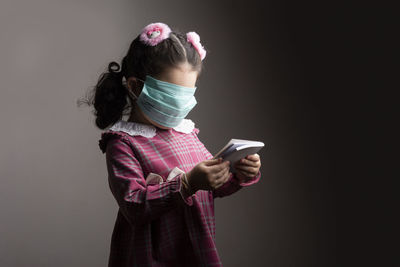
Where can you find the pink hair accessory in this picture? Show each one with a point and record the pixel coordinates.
(194, 38)
(154, 33)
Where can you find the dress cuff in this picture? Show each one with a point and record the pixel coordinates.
(183, 186)
(185, 191)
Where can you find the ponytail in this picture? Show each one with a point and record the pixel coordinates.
(110, 97)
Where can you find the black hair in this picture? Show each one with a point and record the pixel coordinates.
(110, 97)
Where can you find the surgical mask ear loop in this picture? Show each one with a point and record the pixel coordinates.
(132, 94)
(135, 97)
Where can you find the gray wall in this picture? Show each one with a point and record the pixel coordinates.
(260, 82)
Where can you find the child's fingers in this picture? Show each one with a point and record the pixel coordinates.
(247, 169)
(222, 171)
(247, 162)
(218, 167)
(253, 157)
(219, 182)
(246, 173)
(210, 162)
(221, 177)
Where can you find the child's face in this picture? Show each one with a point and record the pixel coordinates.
(184, 76)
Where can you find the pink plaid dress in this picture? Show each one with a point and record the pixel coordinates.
(158, 223)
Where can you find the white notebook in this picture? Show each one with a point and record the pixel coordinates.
(237, 149)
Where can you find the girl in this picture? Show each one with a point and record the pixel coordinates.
(160, 173)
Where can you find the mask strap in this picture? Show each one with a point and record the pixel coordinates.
(140, 80)
(131, 93)
(127, 88)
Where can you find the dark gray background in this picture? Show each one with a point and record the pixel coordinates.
(268, 76)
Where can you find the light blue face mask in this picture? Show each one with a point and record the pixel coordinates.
(166, 103)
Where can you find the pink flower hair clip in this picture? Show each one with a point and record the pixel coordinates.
(154, 33)
(194, 38)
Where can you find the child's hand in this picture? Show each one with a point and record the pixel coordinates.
(208, 175)
(247, 167)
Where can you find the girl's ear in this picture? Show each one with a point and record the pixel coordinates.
(134, 87)
(132, 83)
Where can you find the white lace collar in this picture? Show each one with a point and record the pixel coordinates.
(146, 130)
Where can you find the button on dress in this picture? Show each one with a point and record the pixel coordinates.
(158, 223)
